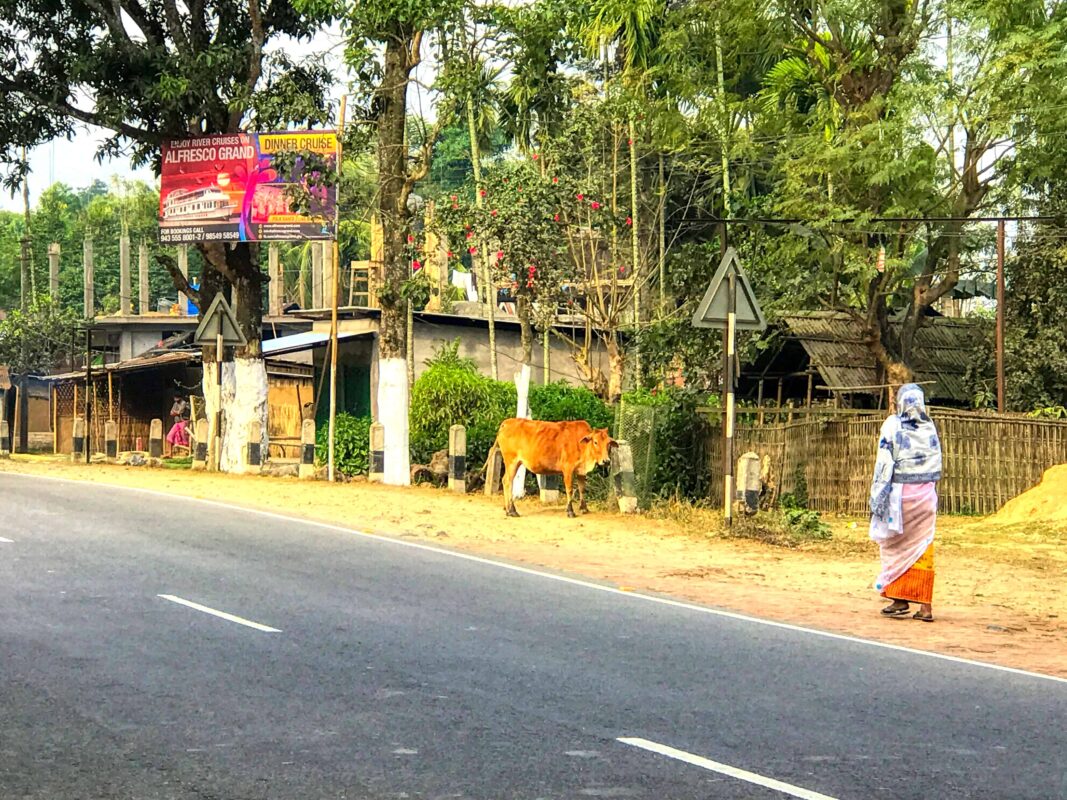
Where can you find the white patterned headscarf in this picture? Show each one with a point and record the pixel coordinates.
(909, 449)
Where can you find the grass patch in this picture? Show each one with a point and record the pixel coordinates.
(186, 462)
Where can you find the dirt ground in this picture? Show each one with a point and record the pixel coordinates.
(999, 594)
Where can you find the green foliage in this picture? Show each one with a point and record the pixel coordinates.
(806, 524)
(449, 393)
(560, 401)
(1049, 412)
(36, 341)
(447, 355)
(351, 444)
(680, 437)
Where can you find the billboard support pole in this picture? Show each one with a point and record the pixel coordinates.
(334, 292)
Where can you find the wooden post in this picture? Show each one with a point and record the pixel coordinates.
(88, 303)
(457, 459)
(274, 288)
(376, 473)
(307, 449)
(183, 268)
(759, 400)
(811, 386)
(142, 279)
(494, 472)
(53, 270)
(125, 300)
(1001, 401)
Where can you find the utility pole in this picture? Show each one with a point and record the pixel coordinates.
(88, 387)
(1001, 402)
(335, 291)
(23, 410)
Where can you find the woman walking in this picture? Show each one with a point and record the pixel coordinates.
(904, 505)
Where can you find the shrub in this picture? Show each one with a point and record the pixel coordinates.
(451, 393)
(351, 444)
(560, 401)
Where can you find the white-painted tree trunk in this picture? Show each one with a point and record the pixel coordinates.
(393, 414)
(522, 389)
(244, 398)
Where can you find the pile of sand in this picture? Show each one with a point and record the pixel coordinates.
(1046, 502)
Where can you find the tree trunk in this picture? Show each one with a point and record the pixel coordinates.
(393, 189)
(483, 255)
(616, 368)
(244, 378)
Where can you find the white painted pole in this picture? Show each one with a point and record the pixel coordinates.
(728, 384)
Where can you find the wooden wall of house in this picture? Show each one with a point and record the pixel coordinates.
(286, 397)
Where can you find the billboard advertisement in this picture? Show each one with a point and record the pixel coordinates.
(225, 188)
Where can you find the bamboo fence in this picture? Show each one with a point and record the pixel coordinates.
(988, 459)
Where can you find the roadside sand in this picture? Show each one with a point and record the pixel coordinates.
(998, 598)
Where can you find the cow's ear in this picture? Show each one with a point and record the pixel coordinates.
(587, 439)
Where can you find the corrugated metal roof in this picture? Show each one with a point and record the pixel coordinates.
(298, 342)
(835, 343)
(133, 364)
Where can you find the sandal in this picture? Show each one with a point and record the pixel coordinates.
(895, 611)
(922, 617)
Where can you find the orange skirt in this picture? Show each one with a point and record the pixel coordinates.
(917, 584)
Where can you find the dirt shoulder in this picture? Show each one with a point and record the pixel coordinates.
(998, 597)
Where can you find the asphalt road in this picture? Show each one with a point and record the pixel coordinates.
(398, 671)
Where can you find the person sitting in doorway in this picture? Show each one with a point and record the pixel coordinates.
(178, 435)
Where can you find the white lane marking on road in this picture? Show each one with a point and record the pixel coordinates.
(717, 612)
(725, 769)
(6, 541)
(217, 613)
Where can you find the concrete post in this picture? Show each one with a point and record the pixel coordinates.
(549, 486)
(5, 437)
(53, 270)
(255, 445)
(200, 438)
(183, 268)
(622, 478)
(125, 292)
(77, 450)
(316, 275)
(749, 482)
(377, 453)
(494, 472)
(89, 306)
(274, 288)
(307, 449)
(457, 459)
(142, 279)
(111, 440)
(155, 439)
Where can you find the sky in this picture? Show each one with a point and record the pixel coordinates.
(74, 162)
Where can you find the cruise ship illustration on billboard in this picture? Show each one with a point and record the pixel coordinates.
(209, 203)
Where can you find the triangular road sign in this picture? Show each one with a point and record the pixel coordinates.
(219, 316)
(711, 313)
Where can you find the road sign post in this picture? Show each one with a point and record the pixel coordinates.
(218, 327)
(729, 302)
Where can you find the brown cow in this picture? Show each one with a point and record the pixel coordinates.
(551, 448)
